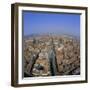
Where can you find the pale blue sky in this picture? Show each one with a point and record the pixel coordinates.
(39, 23)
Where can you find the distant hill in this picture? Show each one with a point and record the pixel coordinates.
(51, 34)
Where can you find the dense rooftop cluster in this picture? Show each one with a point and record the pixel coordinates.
(51, 55)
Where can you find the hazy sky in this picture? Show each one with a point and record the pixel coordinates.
(38, 22)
